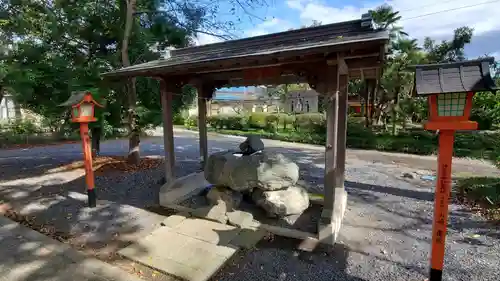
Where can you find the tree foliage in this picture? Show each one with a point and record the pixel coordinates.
(50, 48)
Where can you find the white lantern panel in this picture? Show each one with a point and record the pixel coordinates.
(86, 110)
(451, 104)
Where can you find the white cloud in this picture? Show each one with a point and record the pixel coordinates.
(202, 39)
(439, 24)
(419, 18)
(265, 27)
(269, 26)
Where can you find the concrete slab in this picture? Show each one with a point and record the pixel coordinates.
(277, 230)
(182, 188)
(191, 248)
(173, 221)
(209, 231)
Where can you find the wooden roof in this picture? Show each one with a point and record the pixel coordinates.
(75, 98)
(464, 76)
(357, 39)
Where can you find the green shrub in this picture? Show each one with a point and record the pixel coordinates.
(179, 119)
(23, 127)
(484, 191)
(257, 120)
(272, 122)
(217, 121)
(212, 121)
(357, 129)
(311, 128)
(235, 122)
(285, 121)
(191, 121)
(310, 122)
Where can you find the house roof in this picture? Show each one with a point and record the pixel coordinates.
(464, 76)
(300, 41)
(231, 96)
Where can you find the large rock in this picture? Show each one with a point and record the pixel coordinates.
(251, 145)
(262, 170)
(215, 165)
(213, 212)
(279, 203)
(230, 198)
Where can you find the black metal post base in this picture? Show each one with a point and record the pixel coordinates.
(92, 197)
(436, 275)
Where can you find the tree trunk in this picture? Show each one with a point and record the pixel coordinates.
(366, 105)
(394, 116)
(373, 94)
(134, 138)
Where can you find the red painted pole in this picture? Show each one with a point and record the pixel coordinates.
(87, 160)
(441, 199)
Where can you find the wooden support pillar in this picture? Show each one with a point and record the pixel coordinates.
(168, 130)
(342, 112)
(332, 107)
(205, 91)
(335, 197)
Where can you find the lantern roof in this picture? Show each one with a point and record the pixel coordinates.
(78, 97)
(463, 76)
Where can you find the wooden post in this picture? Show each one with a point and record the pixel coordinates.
(168, 131)
(441, 201)
(335, 197)
(341, 130)
(332, 107)
(328, 87)
(202, 126)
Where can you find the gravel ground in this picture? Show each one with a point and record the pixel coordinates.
(385, 234)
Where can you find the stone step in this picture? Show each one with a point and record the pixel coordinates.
(190, 248)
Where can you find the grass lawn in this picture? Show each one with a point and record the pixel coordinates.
(481, 192)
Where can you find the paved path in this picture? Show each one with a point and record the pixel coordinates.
(26, 255)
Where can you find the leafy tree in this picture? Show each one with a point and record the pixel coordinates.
(449, 50)
(64, 45)
(385, 18)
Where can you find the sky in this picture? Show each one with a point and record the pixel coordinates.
(433, 18)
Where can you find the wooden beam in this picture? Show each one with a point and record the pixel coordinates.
(332, 102)
(343, 82)
(342, 66)
(205, 91)
(273, 74)
(168, 130)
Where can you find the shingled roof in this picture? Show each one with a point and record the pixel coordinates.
(455, 77)
(300, 41)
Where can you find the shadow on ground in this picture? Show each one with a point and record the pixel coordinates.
(62, 209)
(31, 256)
(277, 258)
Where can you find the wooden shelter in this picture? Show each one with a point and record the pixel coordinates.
(325, 56)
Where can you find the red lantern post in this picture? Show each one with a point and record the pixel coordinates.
(82, 111)
(450, 88)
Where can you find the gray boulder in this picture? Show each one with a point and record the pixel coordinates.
(262, 170)
(230, 198)
(280, 203)
(215, 165)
